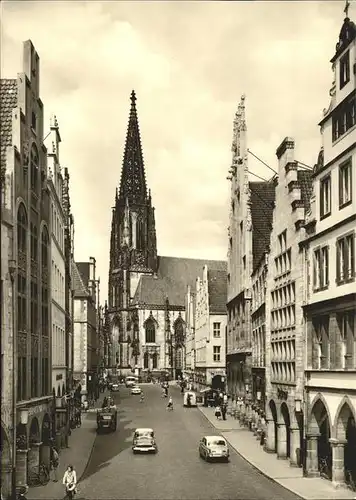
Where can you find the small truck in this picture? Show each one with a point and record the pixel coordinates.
(106, 418)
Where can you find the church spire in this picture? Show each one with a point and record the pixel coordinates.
(133, 180)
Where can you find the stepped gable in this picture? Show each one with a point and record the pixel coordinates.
(217, 286)
(8, 101)
(79, 288)
(174, 274)
(262, 204)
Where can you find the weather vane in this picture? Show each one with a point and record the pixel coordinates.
(346, 9)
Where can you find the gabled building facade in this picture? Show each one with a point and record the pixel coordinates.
(251, 206)
(330, 296)
(26, 277)
(286, 277)
(85, 362)
(146, 307)
(210, 329)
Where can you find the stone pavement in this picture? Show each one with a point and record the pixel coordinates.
(77, 454)
(247, 445)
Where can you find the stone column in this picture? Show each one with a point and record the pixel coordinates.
(338, 460)
(33, 456)
(294, 445)
(282, 441)
(45, 454)
(21, 468)
(312, 468)
(270, 446)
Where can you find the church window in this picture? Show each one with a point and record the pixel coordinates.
(344, 69)
(150, 332)
(145, 360)
(34, 168)
(179, 331)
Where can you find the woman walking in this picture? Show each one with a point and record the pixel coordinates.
(70, 482)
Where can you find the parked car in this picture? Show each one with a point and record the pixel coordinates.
(130, 381)
(144, 441)
(136, 390)
(214, 447)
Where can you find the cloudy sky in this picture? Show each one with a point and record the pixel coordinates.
(189, 62)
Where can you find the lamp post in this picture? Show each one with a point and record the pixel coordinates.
(12, 273)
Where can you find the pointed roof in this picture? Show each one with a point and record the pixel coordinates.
(80, 290)
(133, 180)
(8, 101)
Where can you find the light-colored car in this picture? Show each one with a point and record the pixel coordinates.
(115, 388)
(144, 441)
(136, 390)
(214, 447)
(130, 381)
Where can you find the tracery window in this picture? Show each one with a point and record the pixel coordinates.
(150, 329)
(34, 168)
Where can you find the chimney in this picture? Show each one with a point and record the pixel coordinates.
(285, 153)
(92, 268)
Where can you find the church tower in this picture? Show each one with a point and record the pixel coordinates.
(133, 246)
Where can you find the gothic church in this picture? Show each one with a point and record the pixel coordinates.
(145, 314)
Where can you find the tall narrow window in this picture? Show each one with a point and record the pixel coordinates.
(150, 329)
(325, 196)
(321, 343)
(22, 325)
(321, 268)
(346, 323)
(145, 360)
(34, 169)
(34, 241)
(345, 259)
(345, 183)
(344, 69)
(216, 330)
(216, 353)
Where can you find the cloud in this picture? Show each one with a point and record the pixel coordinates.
(189, 62)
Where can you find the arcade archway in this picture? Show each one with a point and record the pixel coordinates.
(286, 420)
(346, 432)
(320, 424)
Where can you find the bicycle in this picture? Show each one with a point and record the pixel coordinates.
(350, 480)
(324, 468)
(38, 475)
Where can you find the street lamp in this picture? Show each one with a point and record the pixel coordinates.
(12, 273)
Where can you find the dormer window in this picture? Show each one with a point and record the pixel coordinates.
(344, 69)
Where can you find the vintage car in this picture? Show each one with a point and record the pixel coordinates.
(136, 390)
(214, 448)
(144, 441)
(190, 399)
(106, 419)
(115, 387)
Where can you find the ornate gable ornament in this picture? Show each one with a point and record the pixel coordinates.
(150, 319)
(346, 36)
(320, 162)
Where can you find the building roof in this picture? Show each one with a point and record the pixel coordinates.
(305, 179)
(8, 101)
(217, 287)
(79, 288)
(262, 204)
(174, 274)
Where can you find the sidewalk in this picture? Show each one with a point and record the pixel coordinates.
(291, 478)
(81, 443)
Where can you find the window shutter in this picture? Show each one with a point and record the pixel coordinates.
(338, 261)
(314, 270)
(326, 265)
(341, 198)
(321, 208)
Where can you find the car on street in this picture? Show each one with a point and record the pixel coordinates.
(136, 390)
(115, 388)
(144, 441)
(214, 448)
(106, 419)
(130, 381)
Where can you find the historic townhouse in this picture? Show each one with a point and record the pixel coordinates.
(249, 230)
(330, 299)
(85, 316)
(58, 316)
(284, 300)
(190, 333)
(210, 329)
(27, 267)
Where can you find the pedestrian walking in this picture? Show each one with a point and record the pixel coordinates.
(223, 412)
(78, 417)
(70, 482)
(225, 398)
(54, 464)
(218, 412)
